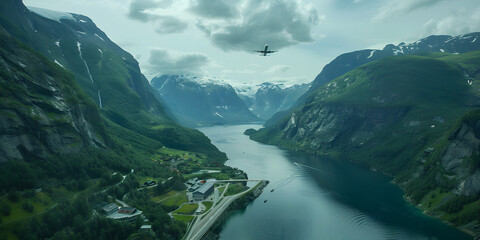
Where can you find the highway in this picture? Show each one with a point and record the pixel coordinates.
(205, 221)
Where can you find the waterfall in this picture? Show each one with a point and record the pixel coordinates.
(85, 62)
(100, 99)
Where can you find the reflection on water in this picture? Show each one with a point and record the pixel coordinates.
(318, 198)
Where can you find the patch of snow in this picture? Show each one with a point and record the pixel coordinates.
(83, 21)
(474, 40)
(218, 115)
(441, 50)
(224, 107)
(100, 99)
(59, 64)
(100, 50)
(52, 15)
(432, 126)
(57, 43)
(450, 39)
(96, 35)
(371, 53)
(82, 32)
(397, 51)
(456, 53)
(22, 65)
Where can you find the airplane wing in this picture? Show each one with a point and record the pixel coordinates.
(271, 51)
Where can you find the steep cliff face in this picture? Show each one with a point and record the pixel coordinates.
(42, 110)
(271, 98)
(107, 74)
(327, 125)
(460, 158)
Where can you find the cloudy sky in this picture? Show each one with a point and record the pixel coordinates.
(217, 37)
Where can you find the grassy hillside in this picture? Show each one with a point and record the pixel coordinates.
(405, 116)
(109, 75)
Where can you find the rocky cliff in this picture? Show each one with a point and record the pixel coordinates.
(271, 98)
(42, 109)
(108, 75)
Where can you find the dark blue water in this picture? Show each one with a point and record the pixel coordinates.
(318, 198)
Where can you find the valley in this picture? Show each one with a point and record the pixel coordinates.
(178, 137)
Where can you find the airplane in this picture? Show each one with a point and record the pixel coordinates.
(265, 51)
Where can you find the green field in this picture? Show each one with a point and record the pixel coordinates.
(235, 188)
(187, 208)
(208, 205)
(183, 218)
(173, 198)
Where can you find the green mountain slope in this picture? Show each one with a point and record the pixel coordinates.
(81, 127)
(109, 75)
(399, 115)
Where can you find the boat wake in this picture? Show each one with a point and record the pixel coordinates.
(306, 166)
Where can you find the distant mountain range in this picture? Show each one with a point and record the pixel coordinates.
(199, 101)
(271, 98)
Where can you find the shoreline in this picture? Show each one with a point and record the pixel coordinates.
(239, 204)
(474, 234)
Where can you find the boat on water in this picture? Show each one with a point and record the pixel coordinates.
(264, 201)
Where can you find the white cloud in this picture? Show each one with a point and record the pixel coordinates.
(162, 61)
(215, 8)
(395, 8)
(458, 22)
(279, 69)
(280, 23)
(242, 25)
(145, 11)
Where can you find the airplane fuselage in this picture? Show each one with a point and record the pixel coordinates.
(265, 51)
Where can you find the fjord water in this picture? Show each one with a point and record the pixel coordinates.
(318, 198)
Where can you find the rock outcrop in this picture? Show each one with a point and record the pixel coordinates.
(42, 110)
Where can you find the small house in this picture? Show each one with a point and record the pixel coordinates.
(149, 183)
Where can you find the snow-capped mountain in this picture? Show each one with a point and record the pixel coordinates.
(271, 98)
(201, 100)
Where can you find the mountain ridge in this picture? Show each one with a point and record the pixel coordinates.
(201, 100)
(349, 61)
